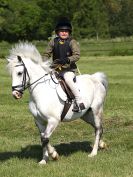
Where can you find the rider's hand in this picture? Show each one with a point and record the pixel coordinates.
(64, 61)
(55, 63)
(60, 62)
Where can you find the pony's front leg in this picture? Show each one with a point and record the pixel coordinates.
(41, 126)
(44, 149)
(47, 148)
(45, 130)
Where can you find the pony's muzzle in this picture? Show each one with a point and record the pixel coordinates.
(16, 94)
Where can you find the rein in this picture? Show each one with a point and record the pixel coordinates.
(35, 81)
(53, 79)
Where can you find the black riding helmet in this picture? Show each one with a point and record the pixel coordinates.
(63, 24)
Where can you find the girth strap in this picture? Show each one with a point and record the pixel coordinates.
(67, 105)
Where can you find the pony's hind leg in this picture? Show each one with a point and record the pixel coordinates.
(94, 117)
(97, 114)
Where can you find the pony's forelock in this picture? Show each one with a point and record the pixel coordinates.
(9, 67)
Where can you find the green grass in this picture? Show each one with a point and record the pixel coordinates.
(20, 148)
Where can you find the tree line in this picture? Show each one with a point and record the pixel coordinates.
(36, 19)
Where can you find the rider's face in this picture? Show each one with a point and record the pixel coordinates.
(63, 34)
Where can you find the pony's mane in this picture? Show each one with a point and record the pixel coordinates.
(27, 50)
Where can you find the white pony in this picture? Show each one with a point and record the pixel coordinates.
(47, 99)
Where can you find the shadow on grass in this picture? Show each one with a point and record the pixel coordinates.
(35, 151)
(67, 149)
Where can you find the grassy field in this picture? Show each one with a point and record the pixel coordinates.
(20, 148)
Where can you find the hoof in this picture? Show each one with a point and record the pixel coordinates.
(55, 155)
(42, 162)
(92, 154)
(102, 145)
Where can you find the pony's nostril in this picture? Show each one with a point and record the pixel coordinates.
(17, 94)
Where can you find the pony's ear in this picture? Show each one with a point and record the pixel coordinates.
(19, 58)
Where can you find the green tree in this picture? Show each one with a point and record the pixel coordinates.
(99, 19)
(90, 19)
(51, 11)
(36, 19)
(126, 16)
(21, 20)
(120, 15)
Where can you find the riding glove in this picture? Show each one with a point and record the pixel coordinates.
(60, 62)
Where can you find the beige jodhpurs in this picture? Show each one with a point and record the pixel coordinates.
(69, 79)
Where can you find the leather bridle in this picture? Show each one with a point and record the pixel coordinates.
(22, 87)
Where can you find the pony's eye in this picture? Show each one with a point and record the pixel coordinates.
(19, 73)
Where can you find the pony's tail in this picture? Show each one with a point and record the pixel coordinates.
(100, 76)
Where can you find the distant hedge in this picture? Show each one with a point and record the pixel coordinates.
(88, 47)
